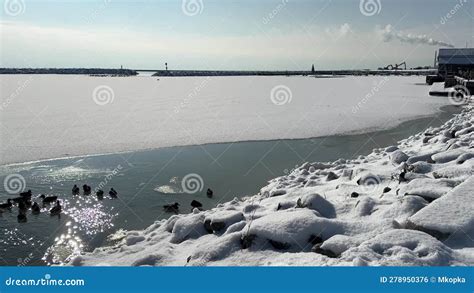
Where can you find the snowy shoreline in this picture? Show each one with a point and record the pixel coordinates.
(409, 204)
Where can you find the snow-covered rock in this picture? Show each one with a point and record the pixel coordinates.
(452, 213)
(419, 188)
(398, 157)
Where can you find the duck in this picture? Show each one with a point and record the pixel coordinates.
(56, 209)
(35, 208)
(171, 208)
(26, 194)
(401, 177)
(209, 192)
(18, 199)
(6, 205)
(86, 189)
(22, 206)
(48, 199)
(113, 193)
(100, 194)
(75, 190)
(196, 204)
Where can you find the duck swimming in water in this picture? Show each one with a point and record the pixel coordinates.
(196, 204)
(171, 208)
(100, 194)
(86, 189)
(26, 194)
(56, 209)
(6, 205)
(113, 193)
(48, 199)
(209, 192)
(22, 206)
(75, 190)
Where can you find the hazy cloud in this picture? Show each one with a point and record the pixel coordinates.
(388, 34)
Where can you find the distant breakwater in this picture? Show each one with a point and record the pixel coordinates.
(86, 71)
(178, 73)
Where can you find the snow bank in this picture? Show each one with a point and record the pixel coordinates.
(136, 113)
(452, 213)
(354, 212)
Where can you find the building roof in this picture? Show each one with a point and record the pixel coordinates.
(456, 56)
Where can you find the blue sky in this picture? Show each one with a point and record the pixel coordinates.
(268, 35)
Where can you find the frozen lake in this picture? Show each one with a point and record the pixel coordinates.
(51, 116)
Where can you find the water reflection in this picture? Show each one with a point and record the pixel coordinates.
(66, 246)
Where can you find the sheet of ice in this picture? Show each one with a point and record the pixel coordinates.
(48, 116)
(288, 223)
